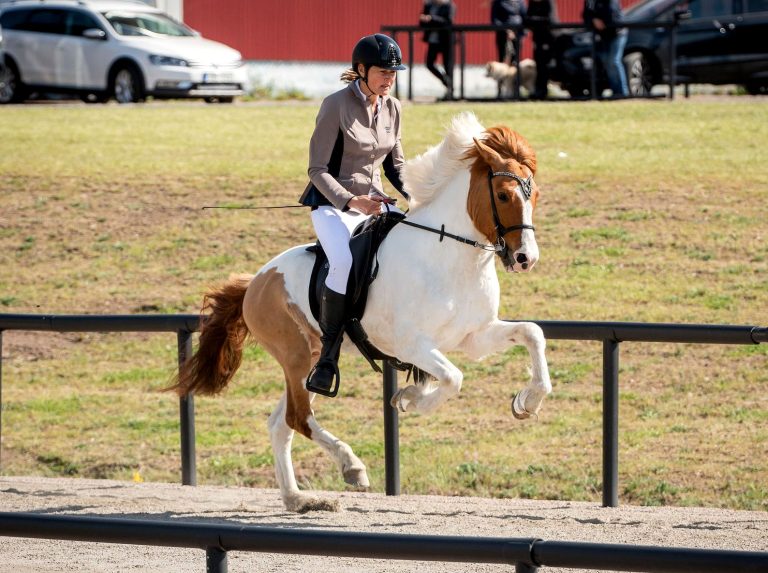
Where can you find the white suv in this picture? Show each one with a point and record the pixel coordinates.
(111, 48)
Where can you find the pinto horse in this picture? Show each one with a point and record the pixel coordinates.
(476, 191)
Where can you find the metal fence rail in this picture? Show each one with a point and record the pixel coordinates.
(611, 334)
(525, 554)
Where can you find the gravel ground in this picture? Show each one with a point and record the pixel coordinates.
(360, 512)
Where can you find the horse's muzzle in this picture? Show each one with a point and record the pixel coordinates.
(519, 261)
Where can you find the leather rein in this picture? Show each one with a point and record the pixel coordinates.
(526, 187)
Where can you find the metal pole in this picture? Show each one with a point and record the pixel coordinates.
(410, 66)
(187, 417)
(391, 436)
(593, 72)
(463, 52)
(1, 399)
(672, 59)
(610, 423)
(215, 560)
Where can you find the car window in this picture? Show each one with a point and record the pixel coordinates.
(710, 8)
(45, 21)
(755, 5)
(11, 19)
(146, 24)
(78, 22)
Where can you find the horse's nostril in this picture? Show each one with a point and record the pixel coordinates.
(521, 258)
(525, 266)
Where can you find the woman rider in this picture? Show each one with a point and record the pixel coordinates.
(357, 131)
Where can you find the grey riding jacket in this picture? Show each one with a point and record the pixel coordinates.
(348, 148)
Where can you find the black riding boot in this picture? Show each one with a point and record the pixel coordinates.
(322, 377)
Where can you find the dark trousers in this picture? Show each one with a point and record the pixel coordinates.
(442, 48)
(543, 52)
(505, 47)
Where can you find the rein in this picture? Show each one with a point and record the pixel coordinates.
(526, 186)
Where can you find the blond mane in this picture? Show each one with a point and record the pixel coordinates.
(426, 174)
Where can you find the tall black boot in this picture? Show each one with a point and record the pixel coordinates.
(324, 377)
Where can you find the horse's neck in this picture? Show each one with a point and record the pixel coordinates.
(449, 209)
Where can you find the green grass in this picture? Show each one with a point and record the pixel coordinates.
(651, 211)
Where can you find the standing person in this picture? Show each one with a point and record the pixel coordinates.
(507, 13)
(437, 18)
(541, 15)
(357, 131)
(605, 18)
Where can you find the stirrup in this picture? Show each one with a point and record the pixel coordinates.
(329, 392)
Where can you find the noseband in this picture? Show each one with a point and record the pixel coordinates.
(526, 187)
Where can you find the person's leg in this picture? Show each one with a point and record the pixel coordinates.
(432, 52)
(447, 51)
(617, 75)
(501, 45)
(333, 229)
(541, 55)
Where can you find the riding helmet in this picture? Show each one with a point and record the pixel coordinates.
(377, 50)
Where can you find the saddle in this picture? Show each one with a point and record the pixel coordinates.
(364, 244)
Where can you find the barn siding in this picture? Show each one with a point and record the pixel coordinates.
(326, 30)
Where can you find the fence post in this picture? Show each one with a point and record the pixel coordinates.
(610, 423)
(391, 437)
(216, 560)
(186, 416)
(593, 71)
(1, 399)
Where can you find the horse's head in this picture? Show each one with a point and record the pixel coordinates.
(502, 195)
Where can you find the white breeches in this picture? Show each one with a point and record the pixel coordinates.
(334, 229)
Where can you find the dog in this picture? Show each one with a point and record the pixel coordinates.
(505, 74)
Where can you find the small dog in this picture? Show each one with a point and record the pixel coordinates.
(506, 74)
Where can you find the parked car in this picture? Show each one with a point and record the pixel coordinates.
(102, 49)
(718, 42)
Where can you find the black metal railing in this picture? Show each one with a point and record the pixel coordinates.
(458, 42)
(611, 334)
(525, 554)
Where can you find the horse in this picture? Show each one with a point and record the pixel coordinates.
(432, 295)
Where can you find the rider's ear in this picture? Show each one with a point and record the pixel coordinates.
(490, 156)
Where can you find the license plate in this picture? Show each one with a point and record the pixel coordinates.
(218, 78)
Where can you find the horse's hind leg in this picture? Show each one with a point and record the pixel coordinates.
(497, 337)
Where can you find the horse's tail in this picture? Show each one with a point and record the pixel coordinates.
(223, 333)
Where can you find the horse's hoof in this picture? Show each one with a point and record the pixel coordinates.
(397, 401)
(519, 411)
(357, 478)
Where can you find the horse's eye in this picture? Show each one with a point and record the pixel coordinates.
(503, 197)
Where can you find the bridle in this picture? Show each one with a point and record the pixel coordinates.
(526, 187)
(500, 247)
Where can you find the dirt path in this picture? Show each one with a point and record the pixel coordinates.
(433, 515)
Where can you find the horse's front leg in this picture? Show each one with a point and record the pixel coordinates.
(423, 396)
(498, 336)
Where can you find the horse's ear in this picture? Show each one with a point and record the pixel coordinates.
(491, 157)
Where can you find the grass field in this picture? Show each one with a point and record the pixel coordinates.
(651, 211)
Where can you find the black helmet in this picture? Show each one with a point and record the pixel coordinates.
(377, 50)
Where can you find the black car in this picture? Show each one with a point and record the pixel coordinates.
(718, 42)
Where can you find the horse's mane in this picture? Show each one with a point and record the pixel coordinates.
(426, 174)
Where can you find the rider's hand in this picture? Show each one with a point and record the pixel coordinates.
(366, 205)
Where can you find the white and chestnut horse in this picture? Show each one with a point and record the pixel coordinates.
(433, 295)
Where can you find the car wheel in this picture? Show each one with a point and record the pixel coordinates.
(126, 85)
(639, 74)
(95, 98)
(11, 88)
(756, 88)
(225, 99)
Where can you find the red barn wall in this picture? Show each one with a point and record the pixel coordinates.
(326, 30)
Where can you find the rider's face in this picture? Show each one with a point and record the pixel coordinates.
(380, 81)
